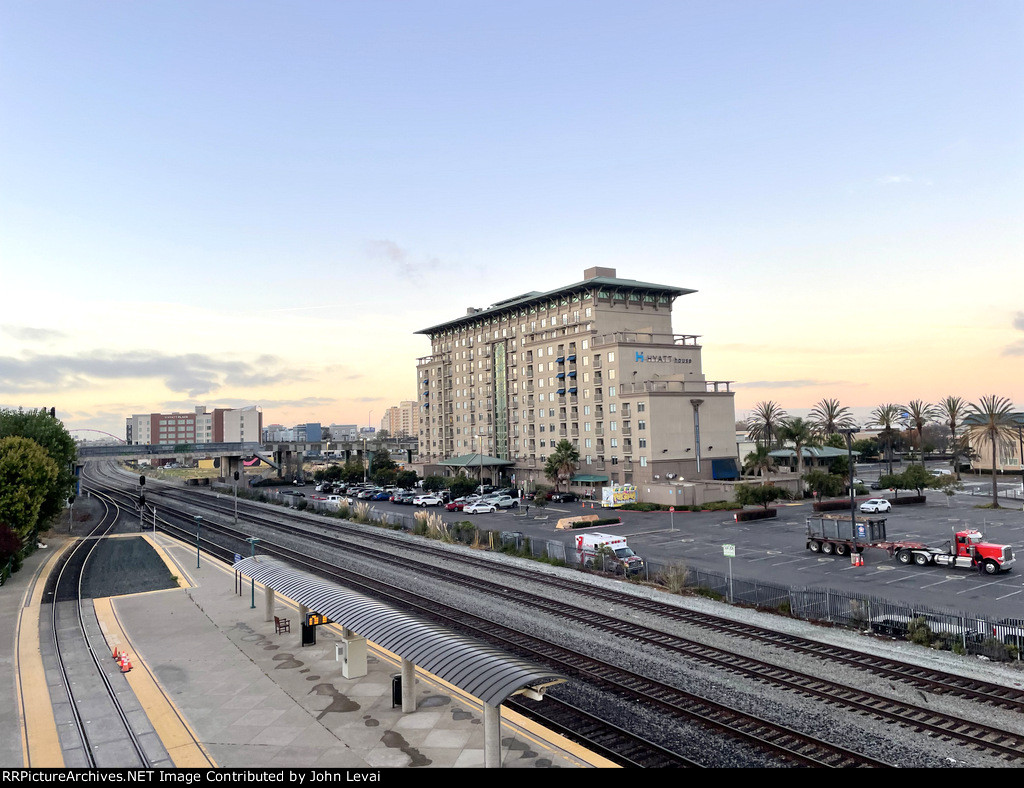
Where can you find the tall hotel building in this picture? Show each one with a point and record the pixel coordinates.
(595, 362)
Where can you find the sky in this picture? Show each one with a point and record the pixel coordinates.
(259, 203)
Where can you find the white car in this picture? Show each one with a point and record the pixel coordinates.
(427, 500)
(480, 507)
(505, 502)
(876, 505)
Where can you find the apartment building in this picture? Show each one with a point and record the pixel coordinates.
(221, 425)
(595, 362)
(401, 420)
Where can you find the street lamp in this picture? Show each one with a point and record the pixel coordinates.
(199, 523)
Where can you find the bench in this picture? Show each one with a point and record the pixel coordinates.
(282, 625)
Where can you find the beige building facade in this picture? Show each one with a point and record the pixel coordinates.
(402, 420)
(595, 362)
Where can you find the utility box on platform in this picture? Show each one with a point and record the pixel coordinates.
(351, 651)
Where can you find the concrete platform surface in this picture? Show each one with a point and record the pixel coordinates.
(224, 690)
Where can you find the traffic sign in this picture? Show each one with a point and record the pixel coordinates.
(729, 550)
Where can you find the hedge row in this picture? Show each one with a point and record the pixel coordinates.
(755, 514)
(589, 523)
(907, 499)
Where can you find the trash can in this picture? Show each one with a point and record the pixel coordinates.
(396, 690)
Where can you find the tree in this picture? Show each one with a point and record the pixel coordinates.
(461, 486)
(27, 478)
(801, 434)
(759, 494)
(828, 417)
(406, 479)
(562, 462)
(436, 483)
(826, 485)
(764, 421)
(952, 411)
(921, 413)
(759, 462)
(992, 419)
(887, 417)
(49, 433)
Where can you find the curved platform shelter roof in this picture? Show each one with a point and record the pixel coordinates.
(484, 672)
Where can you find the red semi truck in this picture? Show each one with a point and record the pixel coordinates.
(835, 535)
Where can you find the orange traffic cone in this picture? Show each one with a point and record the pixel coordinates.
(115, 653)
(126, 664)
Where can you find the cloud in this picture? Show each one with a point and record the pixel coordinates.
(794, 384)
(192, 373)
(399, 260)
(1016, 348)
(29, 334)
(895, 179)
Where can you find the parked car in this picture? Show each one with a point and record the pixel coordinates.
(406, 499)
(505, 502)
(480, 507)
(456, 506)
(293, 493)
(563, 497)
(876, 505)
(427, 500)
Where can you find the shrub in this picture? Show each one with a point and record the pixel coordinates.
(919, 632)
(907, 499)
(673, 577)
(717, 506)
(755, 514)
(586, 523)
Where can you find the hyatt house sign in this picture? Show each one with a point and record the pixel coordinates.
(662, 359)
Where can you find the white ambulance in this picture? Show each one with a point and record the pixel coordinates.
(618, 558)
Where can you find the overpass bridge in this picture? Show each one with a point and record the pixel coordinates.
(288, 457)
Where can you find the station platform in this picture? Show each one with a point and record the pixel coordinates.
(223, 690)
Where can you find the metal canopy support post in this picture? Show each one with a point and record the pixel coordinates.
(492, 736)
(268, 597)
(408, 686)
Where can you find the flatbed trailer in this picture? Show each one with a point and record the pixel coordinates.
(833, 534)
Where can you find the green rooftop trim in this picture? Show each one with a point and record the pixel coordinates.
(475, 461)
(597, 283)
(585, 477)
(823, 452)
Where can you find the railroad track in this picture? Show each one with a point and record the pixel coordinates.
(104, 736)
(776, 742)
(977, 735)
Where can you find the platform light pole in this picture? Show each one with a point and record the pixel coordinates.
(199, 524)
(253, 541)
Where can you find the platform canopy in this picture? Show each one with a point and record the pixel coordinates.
(485, 672)
(475, 461)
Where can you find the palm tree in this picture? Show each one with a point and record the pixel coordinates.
(887, 417)
(562, 463)
(764, 422)
(760, 462)
(993, 419)
(828, 417)
(952, 410)
(920, 413)
(801, 434)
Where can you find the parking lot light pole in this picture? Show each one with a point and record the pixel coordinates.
(848, 432)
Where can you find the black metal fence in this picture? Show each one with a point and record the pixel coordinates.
(974, 634)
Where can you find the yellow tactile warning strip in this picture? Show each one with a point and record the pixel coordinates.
(40, 744)
(184, 578)
(181, 743)
(530, 729)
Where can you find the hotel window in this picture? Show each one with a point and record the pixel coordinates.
(643, 443)
(641, 424)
